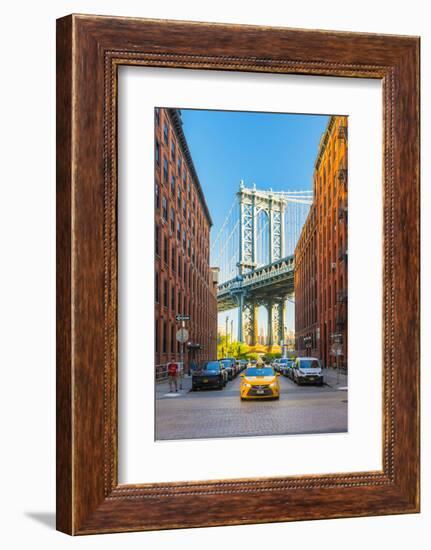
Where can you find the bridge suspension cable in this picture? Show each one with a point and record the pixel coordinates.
(226, 221)
(225, 247)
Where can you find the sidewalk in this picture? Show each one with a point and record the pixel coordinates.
(162, 388)
(330, 377)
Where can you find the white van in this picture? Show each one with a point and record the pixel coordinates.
(308, 370)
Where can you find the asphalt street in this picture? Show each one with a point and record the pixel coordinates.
(221, 413)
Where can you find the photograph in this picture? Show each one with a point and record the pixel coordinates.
(251, 273)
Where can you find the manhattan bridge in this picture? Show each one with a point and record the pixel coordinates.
(254, 251)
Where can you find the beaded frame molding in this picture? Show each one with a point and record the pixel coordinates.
(89, 51)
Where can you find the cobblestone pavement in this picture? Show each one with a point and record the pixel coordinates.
(221, 413)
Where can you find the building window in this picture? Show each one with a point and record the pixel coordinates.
(165, 169)
(179, 302)
(157, 115)
(156, 335)
(164, 337)
(178, 230)
(184, 207)
(157, 152)
(157, 240)
(184, 239)
(173, 150)
(172, 220)
(172, 340)
(179, 270)
(157, 288)
(173, 185)
(179, 197)
(165, 293)
(165, 250)
(173, 258)
(165, 209)
(184, 178)
(173, 299)
(188, 188)
(189, 248)
(166, 133)
(157, 195)
(180, 162)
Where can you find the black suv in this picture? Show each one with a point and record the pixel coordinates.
(211, 374)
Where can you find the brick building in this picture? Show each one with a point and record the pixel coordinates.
(321, 254)
(306, 326)
(184, 281)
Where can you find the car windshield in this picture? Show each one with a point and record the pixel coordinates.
(262, 371)
(226, 363)
(213, 365)
(309, 364)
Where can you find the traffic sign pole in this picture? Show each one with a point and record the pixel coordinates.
(182, 335)
(182, 347)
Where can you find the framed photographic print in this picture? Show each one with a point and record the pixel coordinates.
(237, 274)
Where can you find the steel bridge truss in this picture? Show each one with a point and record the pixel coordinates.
(255, 285)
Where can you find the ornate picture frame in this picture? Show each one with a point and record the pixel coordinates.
(89, 51)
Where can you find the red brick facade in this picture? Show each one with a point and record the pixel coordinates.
(306, 295)
(183, 278)
(321, 254)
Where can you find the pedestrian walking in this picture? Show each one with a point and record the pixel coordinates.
(173, 372)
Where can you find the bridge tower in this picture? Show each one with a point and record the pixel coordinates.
(251, 203)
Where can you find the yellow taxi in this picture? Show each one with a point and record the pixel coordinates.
(259, 382)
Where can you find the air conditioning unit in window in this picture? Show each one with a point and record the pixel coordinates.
(334, 266)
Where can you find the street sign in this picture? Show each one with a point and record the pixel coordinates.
(182, 335)
(182, 317)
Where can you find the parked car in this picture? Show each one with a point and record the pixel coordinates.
(259, 383)
(234, 365)
(307, 370)
(276, 364)
(229, 367)
(286, 367)
(211, 374)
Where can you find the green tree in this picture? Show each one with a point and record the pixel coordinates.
(227, 348)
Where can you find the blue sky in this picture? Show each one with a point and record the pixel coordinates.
(275, 151)
(272, 150)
